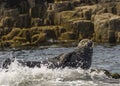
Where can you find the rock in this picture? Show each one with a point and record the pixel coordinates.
(11, 13)
(50, 34)
(8, 22)
(49, 20)
(12, 3)
(19, 39)
(35, 30)
(36, 22)
(68, 36)
(63, 17)
(86, 12)
(23, 7)
(23, 21)
(106, 26)
(115, 76)
(38, 38)
(12, 34)
(83, 28)
(7, 43)
(38, 11)
(107, 73)
(62, 6)
(118, 37)
(25, 33)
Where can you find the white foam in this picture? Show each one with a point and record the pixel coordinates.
(17, 75)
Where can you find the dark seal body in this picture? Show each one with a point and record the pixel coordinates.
(80, 57)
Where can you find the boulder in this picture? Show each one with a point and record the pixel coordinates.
(38, 38)
(63, 17)
(25, 33)
(35, 30)
(23, 21)
(83, 28)
(62, 6)
(36, 22)
(12, 34)
(11, 13)
(86, 12)
(50, 34)
(38, 11)
(118, 37)
(106, 27)
(49, 20)
(23, 7)
(7, 22)
(68, 36)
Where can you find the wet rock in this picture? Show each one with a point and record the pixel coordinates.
(107, 73)
(115, 76)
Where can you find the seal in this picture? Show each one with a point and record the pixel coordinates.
(80, 57)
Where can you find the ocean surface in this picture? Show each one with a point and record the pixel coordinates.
(104, 57)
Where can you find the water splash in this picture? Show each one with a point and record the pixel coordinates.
(17, 75)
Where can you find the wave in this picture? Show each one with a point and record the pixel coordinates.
(18, 75)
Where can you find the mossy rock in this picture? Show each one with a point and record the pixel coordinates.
(25, 33)
(36, 22)
(11, 13)
(4, 31)
(107, 73)
(7, 43)
(50, 34)
(83, 28)
(20, 39)
(38, 38)
(68, 36)
(35, 30)
(12, 34)
(118, 37)
(8, 22)
(38, 11)
(23, 21)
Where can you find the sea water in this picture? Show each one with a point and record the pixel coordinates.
(104, 57)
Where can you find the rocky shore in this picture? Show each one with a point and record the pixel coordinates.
(39, 22)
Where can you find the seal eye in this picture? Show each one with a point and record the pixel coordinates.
(90, 44)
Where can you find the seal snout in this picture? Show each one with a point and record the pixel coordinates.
(86, 43)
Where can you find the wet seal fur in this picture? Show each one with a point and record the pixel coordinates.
(80, 57)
